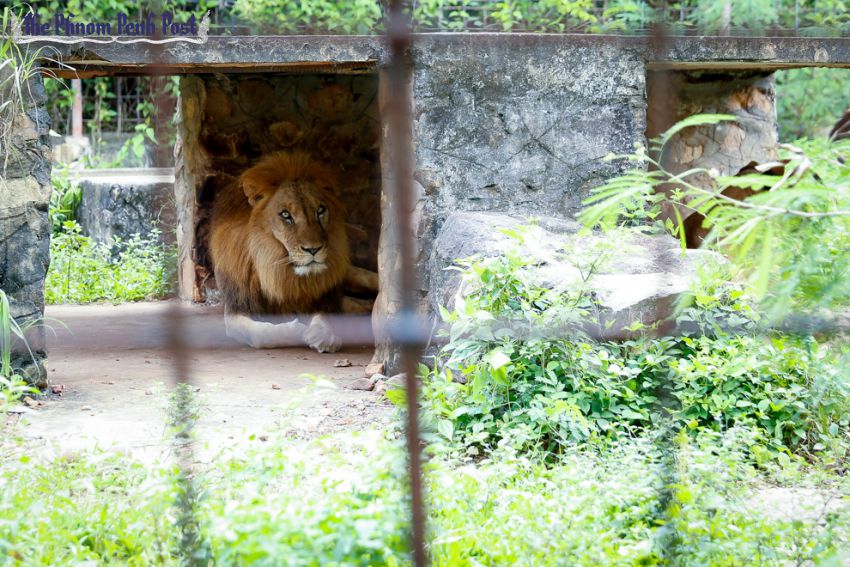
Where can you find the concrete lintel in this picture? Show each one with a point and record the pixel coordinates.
(363, 53)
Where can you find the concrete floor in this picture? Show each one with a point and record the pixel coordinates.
(115, 376)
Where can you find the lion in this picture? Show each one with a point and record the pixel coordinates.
(279, 246)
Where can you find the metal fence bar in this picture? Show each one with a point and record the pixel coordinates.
(181, 412)
(664, 439)
(400, 193)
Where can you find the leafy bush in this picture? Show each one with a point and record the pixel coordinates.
(287, 16)
(64, 200)
(791, 241)
(289, 506)
(497, 385)
(808, 17)
(82, 271)
(809, 101)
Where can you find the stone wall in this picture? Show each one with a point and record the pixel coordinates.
(518, 129)
(122, 203)
(24, 224)
(229, 121)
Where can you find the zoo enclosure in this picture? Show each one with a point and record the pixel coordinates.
(424, 183)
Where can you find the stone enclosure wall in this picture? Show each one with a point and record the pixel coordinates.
(24, 224)
(121, 203)
(517, 128)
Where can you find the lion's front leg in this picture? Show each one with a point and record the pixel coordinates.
(260, 334)
(320, 336)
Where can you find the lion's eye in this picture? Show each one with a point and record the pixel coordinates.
(286, 216)
(321, 210)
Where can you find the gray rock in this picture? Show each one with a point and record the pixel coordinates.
(634, 277)
(483, 234)
(24, 225)
(362, 384)
(121, 203)
(375, 378)
(397, 381)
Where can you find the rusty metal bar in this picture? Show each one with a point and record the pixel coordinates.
(182, 415)
(400, 193)
(664, 437)
(182, 421)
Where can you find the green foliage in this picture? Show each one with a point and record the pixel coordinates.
(626, 15)
(83, 271)
(106, 10)
(12, 385)
(715, 15)
(555, 15)
(809, 101)
(64, 200)
(298, 504)
(289, 506)
(288, 16)
(501, 383)
(808, 17)
(790, 240)
(603, 508)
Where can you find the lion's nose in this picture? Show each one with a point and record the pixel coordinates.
(312, 251)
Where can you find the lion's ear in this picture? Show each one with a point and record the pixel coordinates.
(254, 187)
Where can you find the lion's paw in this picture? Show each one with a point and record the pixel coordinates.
(320, 337)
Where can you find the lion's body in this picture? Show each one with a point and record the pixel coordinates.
(257, 255)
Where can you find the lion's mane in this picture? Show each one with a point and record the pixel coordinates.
(251, 266)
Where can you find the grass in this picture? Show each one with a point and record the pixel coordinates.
(295, 503)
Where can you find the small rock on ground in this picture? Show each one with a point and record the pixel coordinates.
(374, 368)
(362, 384)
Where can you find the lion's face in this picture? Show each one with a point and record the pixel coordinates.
(293, 200)
(300, 215)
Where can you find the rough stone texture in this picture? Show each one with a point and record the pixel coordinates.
(233, 120)
(522, 129)
(519, 128)
(725, 147)
(124, 203)
(637, 277)
(190, 164)
(25, 227)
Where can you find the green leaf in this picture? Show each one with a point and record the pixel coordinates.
(498, 359)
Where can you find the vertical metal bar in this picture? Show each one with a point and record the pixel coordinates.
(191, 545)
(77, 109)
(182, 421)
(401, 190)
(664, 437)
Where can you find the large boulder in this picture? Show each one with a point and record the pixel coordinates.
(633, 277)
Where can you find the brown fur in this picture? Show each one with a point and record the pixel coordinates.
(256, 252)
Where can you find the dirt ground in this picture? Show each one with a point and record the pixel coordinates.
(115, 376)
